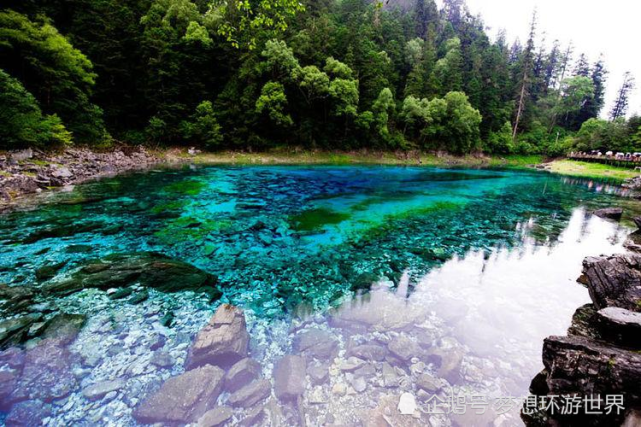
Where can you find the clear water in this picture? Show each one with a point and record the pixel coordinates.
(476, 263)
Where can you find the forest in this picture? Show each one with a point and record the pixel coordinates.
(325, 74)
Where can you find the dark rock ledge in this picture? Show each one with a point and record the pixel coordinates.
(601, 355)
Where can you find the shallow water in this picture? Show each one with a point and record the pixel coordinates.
(474, 267)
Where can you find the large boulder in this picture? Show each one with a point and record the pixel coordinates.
(184, 398)
(148, 269)
(613, 281)
(222, 342)
(289, 377)
(583, 366)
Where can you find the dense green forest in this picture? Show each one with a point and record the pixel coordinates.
(331, 74)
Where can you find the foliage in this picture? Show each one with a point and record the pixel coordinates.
(59, 76)
(22, 123)
(203, 128)
(330, 74)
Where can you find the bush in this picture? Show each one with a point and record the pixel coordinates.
(501, 142)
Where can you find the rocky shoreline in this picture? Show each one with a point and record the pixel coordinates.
(32, 171)
(598, 364)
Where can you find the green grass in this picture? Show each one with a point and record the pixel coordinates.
(361, 157)
(591, 170)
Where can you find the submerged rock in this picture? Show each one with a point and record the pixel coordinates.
(14, 331)
(289, 377)
(16, 298)
(223, 342)
(609, 213)
(148, 269)
(316, 343)
(241, 374)
(49, 271)
(251, 394)
(99, 390)
(216, 417)
(64, 327)
(184, 398)
(28, 413)
(46, 374)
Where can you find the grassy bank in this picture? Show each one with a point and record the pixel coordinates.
(283, 157)
(590, 170)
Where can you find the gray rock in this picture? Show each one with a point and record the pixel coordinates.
(254, 417)
(390, 377)
(46, 374)
(61, 173)
(241, 373)
(358, 383)
(289, 377)
(613, 280)
(316, 343)
(162, 359)
(620, 326)
(64, 327)
(428, 383)
(219, 416)
(99, 390)
(367, 371)
(368, 352)
(184, 398)
(223, 342)
(351, 364)
(21, 155)
(318, 373)
(250, 394)
(404, 348)
(28, 414)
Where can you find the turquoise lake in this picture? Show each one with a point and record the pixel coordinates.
(474, 266)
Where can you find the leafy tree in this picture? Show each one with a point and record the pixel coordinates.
(203, 128)
(382, 109)
(448, 75)
(22, 123)
(272, 102)
(58, 75)
(240, 21)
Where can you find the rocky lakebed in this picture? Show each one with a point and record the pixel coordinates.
(320, 296)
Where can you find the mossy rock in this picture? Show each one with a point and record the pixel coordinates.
(148, 269)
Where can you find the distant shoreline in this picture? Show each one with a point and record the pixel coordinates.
(28, 172)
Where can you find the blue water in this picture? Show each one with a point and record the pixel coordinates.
(279, 236)
(475, 263)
